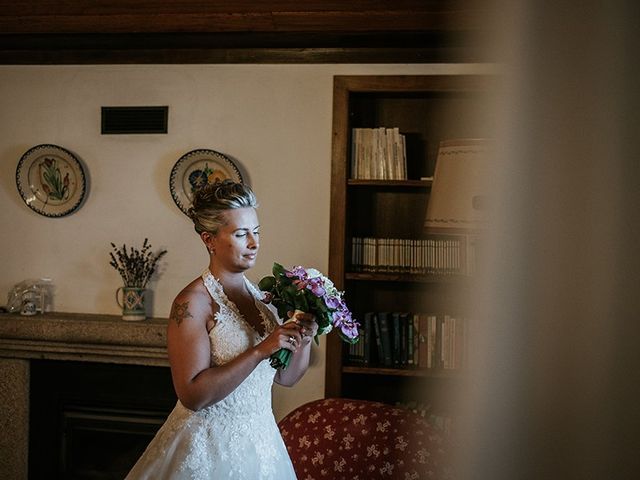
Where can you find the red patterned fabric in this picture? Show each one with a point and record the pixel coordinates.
(339, 438)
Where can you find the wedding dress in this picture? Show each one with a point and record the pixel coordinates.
(235, 438)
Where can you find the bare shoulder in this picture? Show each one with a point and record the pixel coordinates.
(192, 303)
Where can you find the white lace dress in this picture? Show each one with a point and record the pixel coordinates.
(236, 438)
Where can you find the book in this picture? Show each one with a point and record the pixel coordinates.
(404, 345)
(423, 340)
(378, 338)
(414, 341)
(385, 338)
(434, 342)
(367, 337)
(396, 337)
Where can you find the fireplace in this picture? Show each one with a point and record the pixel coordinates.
(93, 420)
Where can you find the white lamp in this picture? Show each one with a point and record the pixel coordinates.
(457, 203)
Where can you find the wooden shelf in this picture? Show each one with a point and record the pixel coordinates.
(427, 109)
(404, 277)
(400, 372)
(390, 183)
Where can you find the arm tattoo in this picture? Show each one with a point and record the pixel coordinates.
(180, 311)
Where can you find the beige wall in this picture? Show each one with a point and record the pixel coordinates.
(273, 120)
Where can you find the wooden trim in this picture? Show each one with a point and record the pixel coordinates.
(221, 48)
(231, 56)
(402, 372)
(87, 16)
(413, 83)
(390, 183)
(340, 130)
(243, 31)
(407, 277)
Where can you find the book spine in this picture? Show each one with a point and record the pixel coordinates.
(396, 353)
(367, 337)
(434, 332)
(404, 340)
(385, 337)
(423, 339)
(378, 336)
(408, 319)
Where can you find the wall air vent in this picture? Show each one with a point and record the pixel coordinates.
(134, 120)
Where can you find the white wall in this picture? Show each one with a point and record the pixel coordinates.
(273, 120)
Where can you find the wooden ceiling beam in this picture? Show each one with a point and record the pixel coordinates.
(157, 16)
(242, 31)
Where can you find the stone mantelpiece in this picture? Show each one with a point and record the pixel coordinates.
(84, 337)
(62, 336)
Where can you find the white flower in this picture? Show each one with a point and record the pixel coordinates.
(313, 273)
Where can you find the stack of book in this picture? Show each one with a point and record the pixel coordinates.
(378, 153)
(438, 256)
(405, 340)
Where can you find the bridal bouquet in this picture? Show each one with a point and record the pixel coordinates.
(307, 290)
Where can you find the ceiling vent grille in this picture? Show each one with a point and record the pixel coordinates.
(134, 120)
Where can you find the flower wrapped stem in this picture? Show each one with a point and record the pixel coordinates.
(280, 359)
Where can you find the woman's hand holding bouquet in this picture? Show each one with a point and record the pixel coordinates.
(307, 292)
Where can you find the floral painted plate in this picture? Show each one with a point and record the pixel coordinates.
(51, 180)
(196, 169)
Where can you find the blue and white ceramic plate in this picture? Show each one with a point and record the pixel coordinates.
(51, 180)
(196, 169)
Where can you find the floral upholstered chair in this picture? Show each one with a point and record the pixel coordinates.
(339, 438)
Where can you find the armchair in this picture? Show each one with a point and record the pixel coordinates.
(338, 438)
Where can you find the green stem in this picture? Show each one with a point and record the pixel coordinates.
(280, 359)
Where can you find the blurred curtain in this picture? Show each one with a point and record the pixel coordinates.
(553, 389)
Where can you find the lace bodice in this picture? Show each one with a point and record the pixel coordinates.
(236, 437)
(232, 335)
(231, 332)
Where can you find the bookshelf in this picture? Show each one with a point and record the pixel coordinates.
(426, 109)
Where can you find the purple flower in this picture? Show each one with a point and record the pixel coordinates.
(332, 302)
(316, 287)
(343, 320)
(298, 271)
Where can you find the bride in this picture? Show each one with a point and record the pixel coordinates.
(219, 339)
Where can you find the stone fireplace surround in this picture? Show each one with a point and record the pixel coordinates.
(67, 337)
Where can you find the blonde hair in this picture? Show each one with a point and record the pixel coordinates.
(210, 202)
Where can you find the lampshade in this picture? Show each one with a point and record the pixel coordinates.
(458, 196)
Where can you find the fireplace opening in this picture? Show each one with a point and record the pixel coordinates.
(123, 433)
(92, 420)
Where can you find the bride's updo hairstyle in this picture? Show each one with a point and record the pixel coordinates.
(210, 202)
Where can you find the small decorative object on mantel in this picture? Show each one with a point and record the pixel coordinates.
(135, 267)
(30, 297)
(51, 180)
(196, 169)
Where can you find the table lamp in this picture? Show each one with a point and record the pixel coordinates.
(457, 203)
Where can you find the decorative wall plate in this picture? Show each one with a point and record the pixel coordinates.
(196, 169)
(51, 180)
